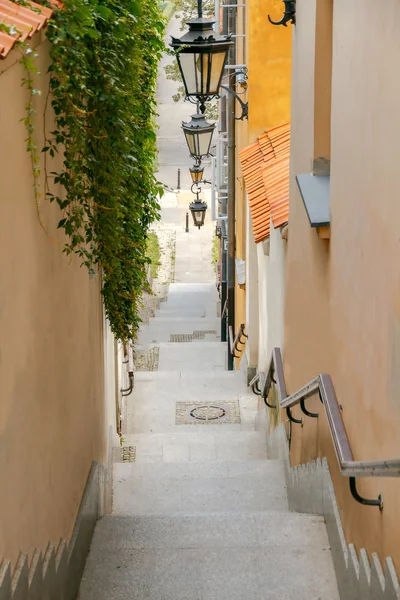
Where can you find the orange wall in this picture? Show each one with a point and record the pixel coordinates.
(269, 64)
(51, 362)
(342, 313)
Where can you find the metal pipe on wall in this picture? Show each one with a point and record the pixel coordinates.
(231, 214)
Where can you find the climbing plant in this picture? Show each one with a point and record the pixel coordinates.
(105, 55)
(28, 57)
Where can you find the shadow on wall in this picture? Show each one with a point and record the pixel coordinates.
(57, 574)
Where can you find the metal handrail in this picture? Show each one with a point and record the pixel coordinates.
(261, 385)
(224, 309)
(234, 341)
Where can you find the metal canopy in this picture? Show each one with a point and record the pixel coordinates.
(315, 193)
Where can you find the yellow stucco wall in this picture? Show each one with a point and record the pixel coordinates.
(269, 72)
(342, 313)
(269, 63)
(52, 423)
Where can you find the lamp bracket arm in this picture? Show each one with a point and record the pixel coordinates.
(289, 14)
(244, 105)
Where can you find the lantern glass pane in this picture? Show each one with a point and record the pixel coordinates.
(196, 175)
(202, 71)
(197, 72)
(198, 217)
(189, 70)
(204, 143)
(190, 140)
(217, 65)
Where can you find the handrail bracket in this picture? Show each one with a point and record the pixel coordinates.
(360, 499)
(313, 415)
(292, 418)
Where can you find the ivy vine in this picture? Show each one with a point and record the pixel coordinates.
(30, 70)
(105, 56)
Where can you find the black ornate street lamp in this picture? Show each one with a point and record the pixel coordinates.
(201, 55)
(198, 208)
(198, 133)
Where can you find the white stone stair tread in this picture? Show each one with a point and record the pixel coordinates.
(216, 444)
(184, 308)
(208, 288)
(262, 469)
(218, 556)
(231, 494)
(156, 333)
(192, 375)
(204, 356)
(175, 320)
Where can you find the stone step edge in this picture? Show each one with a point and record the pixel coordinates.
(273, 514)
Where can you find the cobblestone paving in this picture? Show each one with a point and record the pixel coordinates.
(147, 360)
(124, 454)
(207, 413)
(189, 337)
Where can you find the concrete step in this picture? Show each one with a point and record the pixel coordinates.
(214, 556)
(194, 288)
(135, 493)
(186, 311)
(262, 469)
(161, 331)
(182, 319)
(226, 378)
(203, 356)
(190, 385)
(195, 446)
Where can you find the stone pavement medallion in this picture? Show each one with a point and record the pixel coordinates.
(207, 413)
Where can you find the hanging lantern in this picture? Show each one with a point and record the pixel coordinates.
(198, 133)
(196, 173)
(198, 210)
(202, 55)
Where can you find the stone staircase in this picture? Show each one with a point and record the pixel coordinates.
(203, 513)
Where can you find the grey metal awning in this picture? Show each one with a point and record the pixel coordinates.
(315, 193)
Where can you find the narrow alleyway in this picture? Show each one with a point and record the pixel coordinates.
(202, 513)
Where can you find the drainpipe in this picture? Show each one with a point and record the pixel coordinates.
(231, 214)
(224, 336)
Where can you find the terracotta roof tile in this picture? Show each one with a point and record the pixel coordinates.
(276, 182)
(26, 21)
(265, 168)
(252, 161)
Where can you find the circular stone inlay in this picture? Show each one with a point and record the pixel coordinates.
(207, 413)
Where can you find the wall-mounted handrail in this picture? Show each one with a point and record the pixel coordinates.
(235, 341)
(224, 309)
(323, 385)
(127, 391)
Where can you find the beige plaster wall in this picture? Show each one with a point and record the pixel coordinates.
(275, 290)
(52, 423)
(342, 312)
